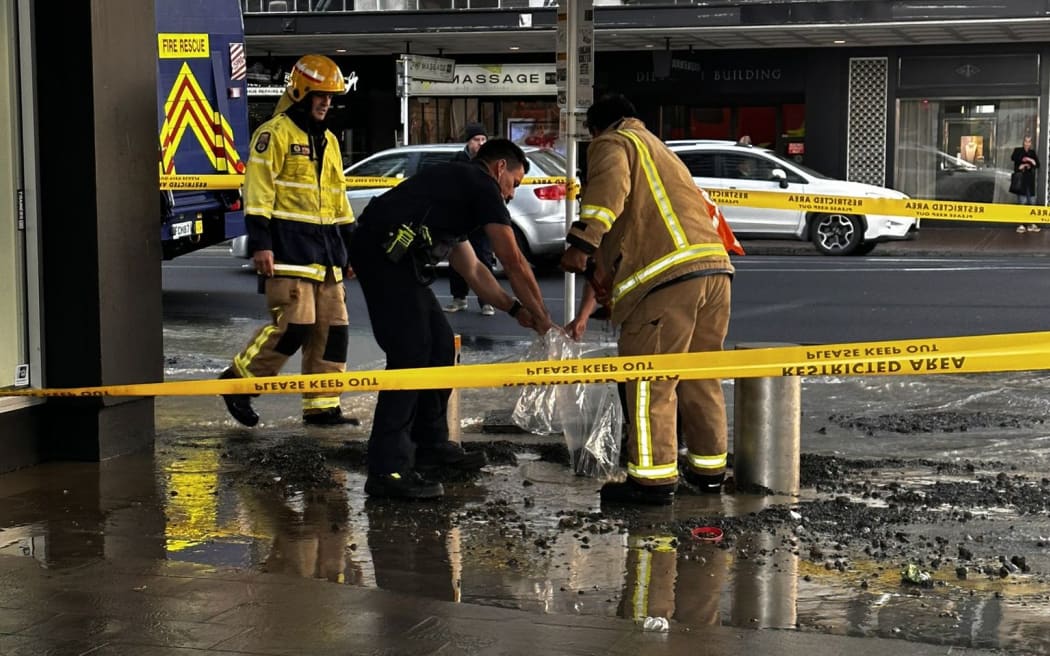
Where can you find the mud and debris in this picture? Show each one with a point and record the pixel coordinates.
(294, 466)
(869, 506)
(930, 422)
(917, 526)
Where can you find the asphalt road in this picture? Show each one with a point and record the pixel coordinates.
(790, 299)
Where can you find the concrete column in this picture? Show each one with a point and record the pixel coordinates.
(99, 207)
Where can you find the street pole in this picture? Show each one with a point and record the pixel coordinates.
(405, 83)
(426, 69)
(575, 78)
(571, 76)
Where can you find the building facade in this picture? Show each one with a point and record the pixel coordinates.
(930, 99)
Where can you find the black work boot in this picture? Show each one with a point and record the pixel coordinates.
(329, 417)
(631, 492)
(239, 405)
(450, 455)
(704, 483)
(409, 485)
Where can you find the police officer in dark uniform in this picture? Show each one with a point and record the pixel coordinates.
(401, 235)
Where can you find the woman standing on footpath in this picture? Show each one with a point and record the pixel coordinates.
(1025, 162)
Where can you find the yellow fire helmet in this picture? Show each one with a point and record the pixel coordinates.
(311, 73)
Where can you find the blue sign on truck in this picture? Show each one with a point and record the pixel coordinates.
(202, 116)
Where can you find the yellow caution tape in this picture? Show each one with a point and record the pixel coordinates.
(574, 190)
(556, 180)
(918, 208)
(947, 355)
(215, 181)
(912, 207)
(371, 182)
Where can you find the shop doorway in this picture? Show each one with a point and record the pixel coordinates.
(443, 120)
(961, 149)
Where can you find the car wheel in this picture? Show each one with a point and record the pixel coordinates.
(836, 234)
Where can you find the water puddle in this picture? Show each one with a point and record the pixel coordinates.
(527, 536)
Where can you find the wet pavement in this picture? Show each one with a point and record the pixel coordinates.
(260, 541)
(264, 544)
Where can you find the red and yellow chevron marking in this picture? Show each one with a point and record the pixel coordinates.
(188, 106)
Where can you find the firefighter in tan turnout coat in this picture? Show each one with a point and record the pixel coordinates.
(653, 254)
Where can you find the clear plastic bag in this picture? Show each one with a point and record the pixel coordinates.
(588, 415)
(535, 410)
(592, 422)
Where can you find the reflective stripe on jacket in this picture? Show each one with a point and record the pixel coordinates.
(641, 210)
(303, 217)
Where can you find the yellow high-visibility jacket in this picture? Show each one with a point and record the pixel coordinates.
(302, 215)
(642, 216)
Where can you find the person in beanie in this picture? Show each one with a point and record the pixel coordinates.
(475, 137)
(457, 286)
(299, 224)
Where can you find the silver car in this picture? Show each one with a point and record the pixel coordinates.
(537, 211)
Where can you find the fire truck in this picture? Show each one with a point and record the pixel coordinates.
(202, 120)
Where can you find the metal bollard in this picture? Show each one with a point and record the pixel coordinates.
(455, 430)
(767, 418)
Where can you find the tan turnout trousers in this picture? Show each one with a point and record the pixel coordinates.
(684, 317)
(302, 312)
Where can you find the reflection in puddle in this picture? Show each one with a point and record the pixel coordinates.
(544, 556)
(29, 541)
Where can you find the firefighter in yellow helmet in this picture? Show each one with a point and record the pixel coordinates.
(299, 225)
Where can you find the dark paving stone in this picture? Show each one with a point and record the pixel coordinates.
(13, 620)
(131, 629)
(21, 645)
(150, 650)
(281, 639)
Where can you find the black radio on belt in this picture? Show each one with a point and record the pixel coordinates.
(408, 240)
(398, 242)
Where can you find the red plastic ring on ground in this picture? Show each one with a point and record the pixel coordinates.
(708, 533)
